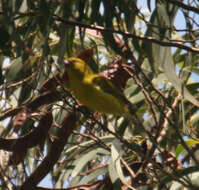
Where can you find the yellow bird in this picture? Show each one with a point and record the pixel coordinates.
(95, 91)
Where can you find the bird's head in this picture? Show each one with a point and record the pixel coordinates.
(77, 65)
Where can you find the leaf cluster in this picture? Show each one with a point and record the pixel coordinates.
(44, 131)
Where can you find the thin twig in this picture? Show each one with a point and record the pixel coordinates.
(165, 124)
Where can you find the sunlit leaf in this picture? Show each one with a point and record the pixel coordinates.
(189, 142)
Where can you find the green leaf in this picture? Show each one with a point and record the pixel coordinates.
(194, 178)
(105, 139)
(4, 37)
(168, 67)
(194, 119)
(18, 4)
(86, 158)
(110, 41)
(160, 55)
(109, 38)
(114, 176)
(160, 80)
(130, 10)
(160, 18)
(190, 143)
(13, 73)
(25, 92)
(179, 173)
(192, 69)
(44, 17)
(149, 4)
(137, 98)
(95, 15)
(116, 152)
(193, 87)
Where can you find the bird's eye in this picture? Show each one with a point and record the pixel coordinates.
(72, 62)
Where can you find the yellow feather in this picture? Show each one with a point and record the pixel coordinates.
(94, 91)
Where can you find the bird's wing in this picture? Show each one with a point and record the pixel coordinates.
(108, 87)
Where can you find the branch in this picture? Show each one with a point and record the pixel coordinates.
(184, 6)
(165, 125)
(128, 35)
(46, 98)
(90, 186)
(32, 138)
(68, 124)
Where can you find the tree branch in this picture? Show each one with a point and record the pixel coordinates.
(170, 43)
(68, 124)
(184, 6)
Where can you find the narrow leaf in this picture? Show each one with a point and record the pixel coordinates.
(190, 143)
(85, 159)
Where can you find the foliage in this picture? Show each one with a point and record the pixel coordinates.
(45, 132)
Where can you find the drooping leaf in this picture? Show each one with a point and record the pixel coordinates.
(109, 38)
(149, 4)
(130, 10)
(116, 153)
(114, 176)
(159, 56)
(168, 67)
(179, 173)
(15, 70)
(84, 160)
